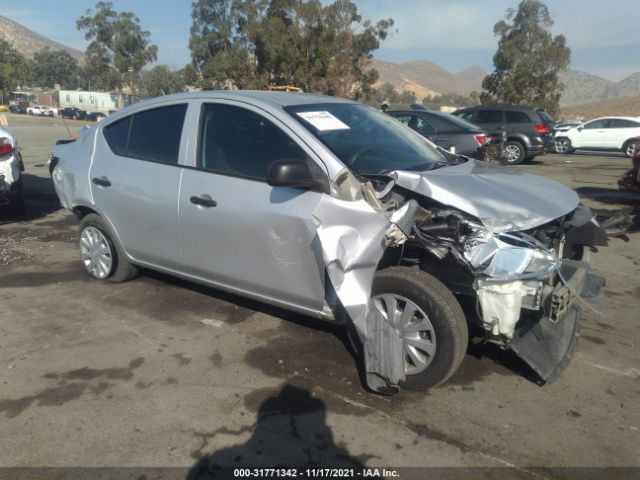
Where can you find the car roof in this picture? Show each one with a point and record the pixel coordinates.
(282, 99)
(498, 107)
(635, 119)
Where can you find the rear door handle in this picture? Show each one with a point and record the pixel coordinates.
(203, 201)
(102, 181)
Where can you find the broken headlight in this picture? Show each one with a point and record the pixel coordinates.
(510, 256)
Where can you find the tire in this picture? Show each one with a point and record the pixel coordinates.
(95, 241)
(629, 148)
(16, 205)
(515, 152)
(445, 327)
(563, 145)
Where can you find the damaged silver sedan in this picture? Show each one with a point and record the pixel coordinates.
(334, 210)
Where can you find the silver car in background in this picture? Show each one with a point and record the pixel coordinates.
(332, 209)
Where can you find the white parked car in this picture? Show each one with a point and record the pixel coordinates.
(41, 110)
(11, 167)
(605, 133)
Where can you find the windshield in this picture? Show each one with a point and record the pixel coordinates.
(367, 141)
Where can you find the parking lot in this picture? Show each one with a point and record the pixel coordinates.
(162, 372)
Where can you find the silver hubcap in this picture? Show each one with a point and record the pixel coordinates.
(414, 328)
(630, 149)
(513, 153)
(95, 252)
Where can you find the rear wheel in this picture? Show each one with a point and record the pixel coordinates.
(101, 256)
(629, 148)
(428, 318)
(514, 152)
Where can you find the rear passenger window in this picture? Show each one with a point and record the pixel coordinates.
(149, 135)
(238, 142)
(117, 135)
(489, 116)
(517, 117)
(622, 123)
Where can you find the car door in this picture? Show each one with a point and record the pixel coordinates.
(236, 230)
(135, 180)
(619, 131)
(592, 134)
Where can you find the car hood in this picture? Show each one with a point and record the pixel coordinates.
(502, 198)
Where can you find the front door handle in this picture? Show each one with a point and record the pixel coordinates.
(203, 201)
(102, 181)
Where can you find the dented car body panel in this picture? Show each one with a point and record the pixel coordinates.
(484, 231)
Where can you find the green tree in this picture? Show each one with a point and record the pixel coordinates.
(219, 45)
(449, 100)
(255, 43)
(51, 67)
(119, 46)
(14, 69)
(161, 80)
(528, 59)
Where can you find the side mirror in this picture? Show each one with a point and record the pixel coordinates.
(580, 128)
(293, 173)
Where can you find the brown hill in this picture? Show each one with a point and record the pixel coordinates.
(28, 42)
(423, 77)
(582, 87)
(624, 106)
(629, 86)
(473, 76)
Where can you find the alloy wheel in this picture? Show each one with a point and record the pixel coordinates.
(513, 153)
(412, 325)
(562, 145)
(631, 148)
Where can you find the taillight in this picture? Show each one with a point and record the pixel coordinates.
(482, 139)
(6, 148)
(542, 128)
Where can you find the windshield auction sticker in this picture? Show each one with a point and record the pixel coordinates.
(323, 121)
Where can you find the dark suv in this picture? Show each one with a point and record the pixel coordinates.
(528, 133)
(73, 113)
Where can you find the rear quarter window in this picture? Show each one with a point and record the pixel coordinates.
(517, 117)
(152, 135)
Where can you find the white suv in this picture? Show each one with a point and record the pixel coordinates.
(605, 133)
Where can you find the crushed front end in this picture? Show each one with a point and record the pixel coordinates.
(528, 286)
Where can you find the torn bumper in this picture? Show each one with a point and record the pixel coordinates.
(546, 340)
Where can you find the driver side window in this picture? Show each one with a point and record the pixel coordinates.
(238, 142)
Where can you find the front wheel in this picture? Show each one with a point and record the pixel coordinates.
(563, 145)
(101, 256)
(428, 318)
(629, 148)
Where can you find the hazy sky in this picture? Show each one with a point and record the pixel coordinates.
(604, 35)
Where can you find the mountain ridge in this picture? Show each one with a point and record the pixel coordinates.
(28, 42)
